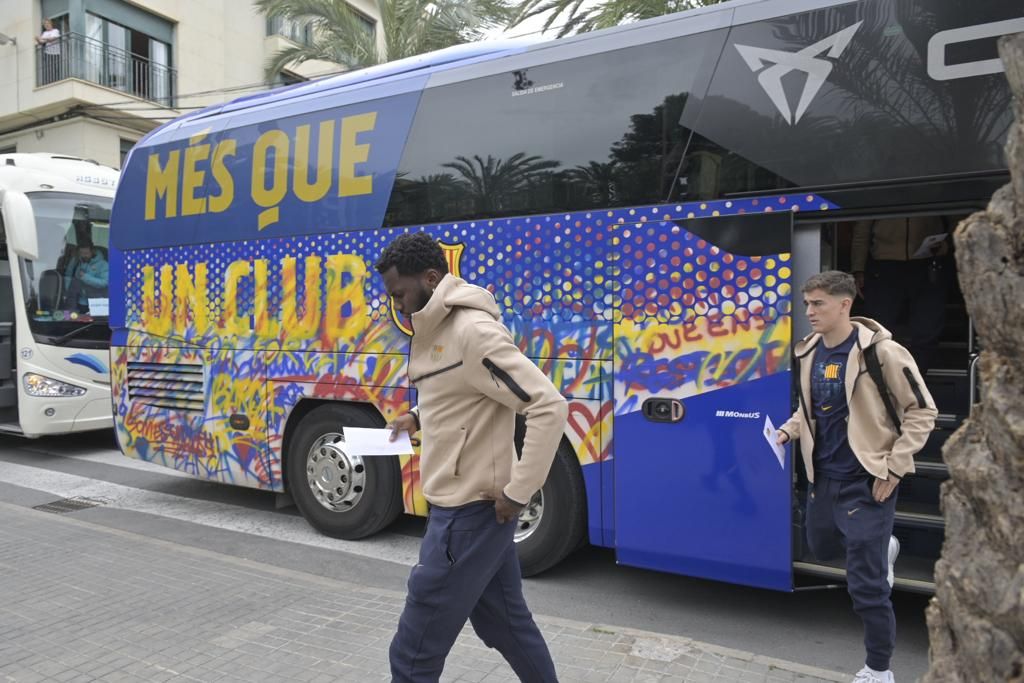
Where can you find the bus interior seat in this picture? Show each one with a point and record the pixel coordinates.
(51, 286)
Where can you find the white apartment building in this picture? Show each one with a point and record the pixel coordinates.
(122, 68)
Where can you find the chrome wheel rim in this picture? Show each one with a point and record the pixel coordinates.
(336, 479)
(529, 518)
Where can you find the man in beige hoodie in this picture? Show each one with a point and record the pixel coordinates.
(859, 425)
(471, 381)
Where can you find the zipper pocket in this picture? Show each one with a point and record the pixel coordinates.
(436, 372)
(506, 378)
(462, 444)
(921, 403)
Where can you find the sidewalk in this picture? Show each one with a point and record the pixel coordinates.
(81, 602)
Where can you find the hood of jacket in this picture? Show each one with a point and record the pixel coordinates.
(452, 293)
(869, 332)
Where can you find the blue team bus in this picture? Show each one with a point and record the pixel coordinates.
(643, 203)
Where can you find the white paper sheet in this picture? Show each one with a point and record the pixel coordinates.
(362, 441)
(99, 306)
(771, 434)
(925, 250)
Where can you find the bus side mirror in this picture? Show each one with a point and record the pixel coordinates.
(20, 225)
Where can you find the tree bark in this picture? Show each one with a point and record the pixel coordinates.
(976, 619)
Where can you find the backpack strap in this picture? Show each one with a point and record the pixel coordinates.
(875, 371)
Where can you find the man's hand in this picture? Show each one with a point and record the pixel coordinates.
(405, 423)
(782, 438)
(505, 509)
(858, 278)
(883, 488)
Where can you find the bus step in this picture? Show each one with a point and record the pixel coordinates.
(931, 469)
(949, 421)
(919, 514)
(954, 373)
(10, 428)
(931, 452)
(913, 573)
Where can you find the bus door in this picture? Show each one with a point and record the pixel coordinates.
(699, 376)
(8, 370)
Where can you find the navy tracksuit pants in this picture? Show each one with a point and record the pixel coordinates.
(468, 568)
(843, 516)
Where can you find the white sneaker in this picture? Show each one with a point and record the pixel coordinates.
(866, 675)
(894, 552)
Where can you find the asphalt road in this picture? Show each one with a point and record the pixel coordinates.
(814, 627)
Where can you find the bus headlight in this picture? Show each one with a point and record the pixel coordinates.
(37, 385)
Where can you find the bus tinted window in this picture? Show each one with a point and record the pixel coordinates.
(880, 105)
(596, 131)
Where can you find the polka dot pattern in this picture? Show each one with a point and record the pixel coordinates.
(636, 264)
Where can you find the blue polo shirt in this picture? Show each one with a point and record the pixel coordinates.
(833, 456)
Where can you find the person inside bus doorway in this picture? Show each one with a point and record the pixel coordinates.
(863, 413)
(86, 276)
(904, 269)
(472, 380)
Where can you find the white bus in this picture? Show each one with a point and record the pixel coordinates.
(54, 270)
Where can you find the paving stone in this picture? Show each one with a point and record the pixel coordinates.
(133, 609)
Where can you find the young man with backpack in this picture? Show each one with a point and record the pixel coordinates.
(863, 413)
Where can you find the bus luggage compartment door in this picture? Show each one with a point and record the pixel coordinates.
(704, 494)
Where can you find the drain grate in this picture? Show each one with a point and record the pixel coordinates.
(68, 505)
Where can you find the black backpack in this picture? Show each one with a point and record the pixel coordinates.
(875, 372)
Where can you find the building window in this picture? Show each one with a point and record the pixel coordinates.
(112, 54)
(292, 29)
(288, 78)
(369, 25)
(126, 59)
(126, 146)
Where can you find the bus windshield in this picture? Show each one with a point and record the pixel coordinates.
(66, 289)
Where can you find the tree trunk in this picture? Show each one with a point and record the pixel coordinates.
(976, 619)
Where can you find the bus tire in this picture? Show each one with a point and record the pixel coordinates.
(341, 495)
(542, 543)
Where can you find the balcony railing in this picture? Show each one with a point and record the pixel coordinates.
(77, 56)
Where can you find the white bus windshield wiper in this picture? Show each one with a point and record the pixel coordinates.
(65, 338)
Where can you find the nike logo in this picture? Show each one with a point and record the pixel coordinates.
(850, 513)
(825, 409)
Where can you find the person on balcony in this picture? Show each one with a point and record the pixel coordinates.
(49, 39)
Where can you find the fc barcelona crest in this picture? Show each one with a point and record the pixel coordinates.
(453, 255)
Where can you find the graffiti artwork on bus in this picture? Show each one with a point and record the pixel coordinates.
(582, 292)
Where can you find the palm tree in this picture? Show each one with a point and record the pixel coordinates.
(492, 182)
(581, 17)
(598, 180)
(409, 27)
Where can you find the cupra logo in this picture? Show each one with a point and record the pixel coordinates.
(806, 60)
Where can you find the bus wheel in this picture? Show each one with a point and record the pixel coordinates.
(553, 523)
(341, 494)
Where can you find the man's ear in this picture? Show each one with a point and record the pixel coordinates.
(433, 277)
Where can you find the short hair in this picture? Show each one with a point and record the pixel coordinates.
(833, 283)
(413, 254)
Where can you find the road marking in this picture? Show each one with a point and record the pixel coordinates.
(386, 546)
